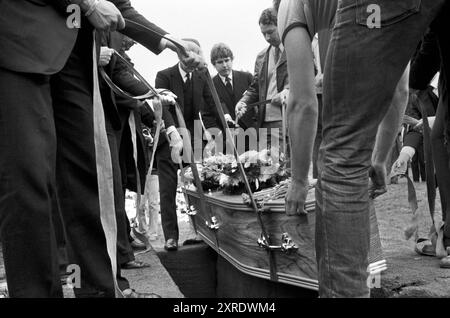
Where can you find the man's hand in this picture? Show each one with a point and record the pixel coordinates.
(105, 16)
(431, 121)
(319, 83)
(195, 57)
(176, 143)
(281, 98)
(167, 97)
(191, 56)
(229, 120)
(296, 198)
(400, 165)
(105, 55)
(240, 109)
(377, 183)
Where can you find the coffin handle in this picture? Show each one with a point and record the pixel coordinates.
(287, 245)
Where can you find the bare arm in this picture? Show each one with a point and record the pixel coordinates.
(302, 114)
(387, 132)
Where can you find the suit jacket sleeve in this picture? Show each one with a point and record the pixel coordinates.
(426, 62)
(413, 139)
(251, 95)
(249, 79)
(142, 34)
(125, 80)
(209, 111)
(162, 81)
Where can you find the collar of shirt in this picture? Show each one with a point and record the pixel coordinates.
(183, 73)
(224, 79)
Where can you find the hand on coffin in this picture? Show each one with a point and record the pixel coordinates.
(296, 198)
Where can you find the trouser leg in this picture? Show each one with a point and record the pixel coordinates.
(355, 101)
(168, 180)
(76, 172)
(27, 185)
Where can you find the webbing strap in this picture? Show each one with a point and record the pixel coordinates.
(140, 213)
(104, 173)
(187, 148)
(264, 234)
(429, 165)
(140, 209)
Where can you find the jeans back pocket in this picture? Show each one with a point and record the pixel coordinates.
(390, 11)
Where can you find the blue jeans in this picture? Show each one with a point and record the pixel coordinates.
(362, 70)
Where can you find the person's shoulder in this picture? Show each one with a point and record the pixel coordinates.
(263, 52)
(242, 74)
(168, 71)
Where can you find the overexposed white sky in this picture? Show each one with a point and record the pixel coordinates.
(234, 22)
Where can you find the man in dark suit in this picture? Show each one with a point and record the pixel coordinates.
(48, 68)
(230, 86)
(270, 81)
(194, 97)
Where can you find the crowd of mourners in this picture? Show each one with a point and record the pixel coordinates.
(344, 87)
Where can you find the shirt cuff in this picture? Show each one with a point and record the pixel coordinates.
(410, 151)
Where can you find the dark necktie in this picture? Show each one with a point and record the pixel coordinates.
(228, 85)
(277, 54)
(187, 83)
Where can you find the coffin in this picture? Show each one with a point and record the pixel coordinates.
(236, 238)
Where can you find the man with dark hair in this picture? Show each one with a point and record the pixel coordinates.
(270, 81)
(57, 160)
(194, 97)
(371, 45)
(230, 84)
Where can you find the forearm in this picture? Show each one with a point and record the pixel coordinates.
(302, 109)
(389, 127)
(302, 123)
(140, 29)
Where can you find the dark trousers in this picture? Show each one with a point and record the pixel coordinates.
(168, 181)
(418, 165)
(46, 125)
(28, 185)
(441, 160)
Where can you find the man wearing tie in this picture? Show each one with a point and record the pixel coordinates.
(230, 86)
(270, 82)
(193, 97)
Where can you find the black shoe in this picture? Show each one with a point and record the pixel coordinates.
(131, 293)
(138, 245)
(171, 245)
(134, 265)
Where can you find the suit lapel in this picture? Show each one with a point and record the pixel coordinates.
(227, 99)
(177, 85)
(197, 93)
(263, 87)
